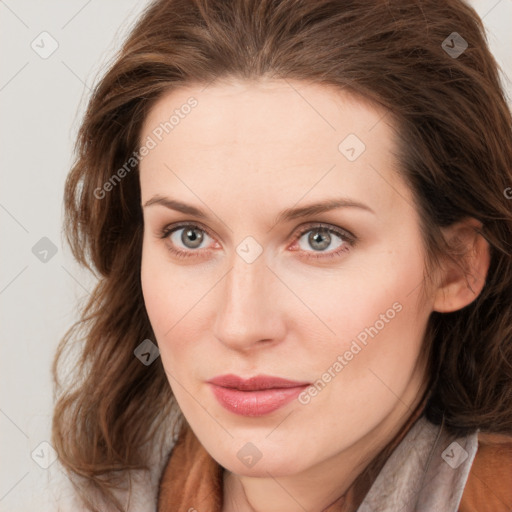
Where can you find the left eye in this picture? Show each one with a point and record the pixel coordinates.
(320, 239)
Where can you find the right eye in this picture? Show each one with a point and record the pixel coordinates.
(190, 236)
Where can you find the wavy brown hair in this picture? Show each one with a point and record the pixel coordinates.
(455, 152)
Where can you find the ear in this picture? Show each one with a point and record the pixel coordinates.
(460, 284)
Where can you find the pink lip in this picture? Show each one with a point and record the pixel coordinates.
(255, 396)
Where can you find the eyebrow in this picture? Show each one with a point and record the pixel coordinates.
(284, 216)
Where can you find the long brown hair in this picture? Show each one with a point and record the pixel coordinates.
(454, 130)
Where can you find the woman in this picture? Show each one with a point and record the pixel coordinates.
(299, 217)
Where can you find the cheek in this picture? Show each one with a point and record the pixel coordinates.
(153, 288)
(162, 296)
(164, 289)
(171, 303)
(373, 296)
(378, 327)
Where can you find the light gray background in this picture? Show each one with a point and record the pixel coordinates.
(41, 101)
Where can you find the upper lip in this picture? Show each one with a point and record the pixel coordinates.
(254, 383)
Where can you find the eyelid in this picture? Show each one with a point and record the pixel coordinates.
(345, 233)
(171, 228)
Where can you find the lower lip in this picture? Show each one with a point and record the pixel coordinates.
(255, 403)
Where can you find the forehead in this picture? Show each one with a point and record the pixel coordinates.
(266, 111)
(252, 136)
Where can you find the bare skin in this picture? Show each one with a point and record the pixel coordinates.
(246, 152)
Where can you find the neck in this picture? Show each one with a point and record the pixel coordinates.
(335, 484)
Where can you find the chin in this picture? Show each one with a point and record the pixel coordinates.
(277, 467)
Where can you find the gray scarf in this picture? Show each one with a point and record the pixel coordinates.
(427, 472)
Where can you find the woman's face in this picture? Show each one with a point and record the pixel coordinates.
(246, 277)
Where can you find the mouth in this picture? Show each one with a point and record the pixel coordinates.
(256, 396)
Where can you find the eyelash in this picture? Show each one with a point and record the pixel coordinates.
(346, 236)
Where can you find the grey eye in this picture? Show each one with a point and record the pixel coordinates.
(319, 239)
(191, 237)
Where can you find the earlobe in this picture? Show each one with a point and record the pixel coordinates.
(460, 284)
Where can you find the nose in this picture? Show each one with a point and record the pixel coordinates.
(250, 314)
